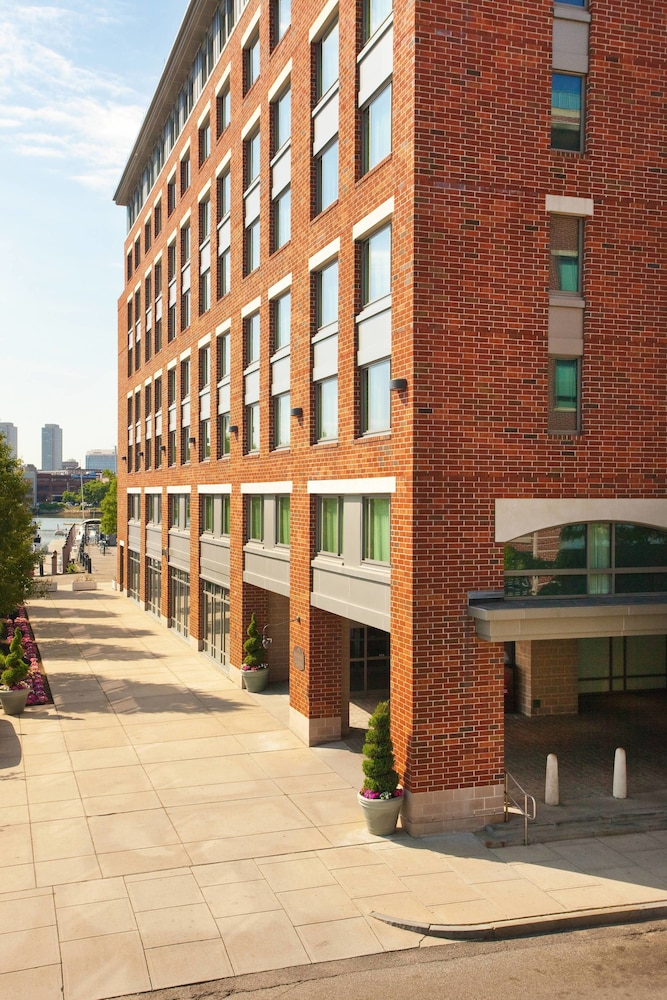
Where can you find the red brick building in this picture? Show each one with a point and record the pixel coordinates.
(392, 363)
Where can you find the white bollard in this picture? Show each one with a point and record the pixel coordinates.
(551, 785)
(620, 787)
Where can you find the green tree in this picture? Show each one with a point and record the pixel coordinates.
(17, 559)
(95, 492)
(109, 506)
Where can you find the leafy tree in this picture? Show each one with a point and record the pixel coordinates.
(17, 559)
(95, 492)
(109, 506)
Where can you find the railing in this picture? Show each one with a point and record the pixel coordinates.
(517, 800)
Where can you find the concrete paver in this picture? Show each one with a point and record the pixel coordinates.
(161, 827)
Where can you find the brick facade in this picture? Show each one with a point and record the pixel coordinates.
(469, 173)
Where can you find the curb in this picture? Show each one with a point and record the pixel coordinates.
(550, 923)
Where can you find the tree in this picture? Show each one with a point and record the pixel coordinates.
(109, 507)
(94, 492)
(17, 559)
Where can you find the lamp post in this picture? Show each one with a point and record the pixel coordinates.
(83, 522)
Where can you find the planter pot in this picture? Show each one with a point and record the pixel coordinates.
(381, 815)
(13, 702)
(255, 680)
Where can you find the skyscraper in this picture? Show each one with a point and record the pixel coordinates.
(52, 447)
(11, 434)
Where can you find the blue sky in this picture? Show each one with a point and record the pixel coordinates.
(76, 77)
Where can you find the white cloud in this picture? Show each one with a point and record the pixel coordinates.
(54, 107)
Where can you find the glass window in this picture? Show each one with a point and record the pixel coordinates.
(204, 440)
(204, 141)
(252, 415)
(251, 55)
(282, 309)
(223, 110)
(282, 219)
(565, 246)
(175, 511)
(566, 384)
(282, 119)
(252, 247)
(281, 420)
(376, 129)
(375, 402)
(326, 405)
(376, 529)
(330, 525)
(226, 514)
(252, 338)
(224, 357)
(256, 518)
(282, 520)
(566, 111)
(376, 266)
(252, 150)
(327, 61)
(207, 517)
(185, 174)
(327, 176)
(281, 11)
(375, 12)
(224, 435)
(327, 295)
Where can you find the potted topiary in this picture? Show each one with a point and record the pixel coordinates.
(255, 668)
(14, 688)
(380, 797)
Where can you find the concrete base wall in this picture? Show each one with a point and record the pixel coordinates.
(455, 809)
(546, 677)
(314, 731)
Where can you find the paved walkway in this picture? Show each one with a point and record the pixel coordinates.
(159, 827)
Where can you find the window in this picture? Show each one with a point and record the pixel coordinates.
(185, 412)
(171, 292)
(282, 520)
(251, 62)
(171, 404)
(280, 369)
(224, 233)
(215, 621)
(376, 129)
(157, 410)
(252, 338)
(207, 515)
(204, 255)
(325, 116)
(574, 3)
(204, 141)
(176, 511)
(587, 559)
(137, 252)
(129, 265)
(564, 395)
(154, 504)
(185, 173)
(223, 379)
(171, 195)
(223, 105)
(256, 519)
(374, 332)
(375, 13)
(325, 353)
(137, 330)
(251, 199)
(205, 403)
(157, 287)
(330, 526)
(251, 380)
(157, 219)
(252, 427)
(134, 507)
(565, 235)
(226, 514)
(185, 276)
(566, 111)
(281, 17)
(148, 316)
(281, 169)
(376, 529)
(148, 233)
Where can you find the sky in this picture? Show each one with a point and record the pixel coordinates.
(76, 77)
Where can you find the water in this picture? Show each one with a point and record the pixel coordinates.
(48, 527)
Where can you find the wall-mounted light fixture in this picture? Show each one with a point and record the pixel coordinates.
(163, 447)
(398, 384)
(192, 440)
(266, 639)
(296, 411)
(123, 458)
(233, 429)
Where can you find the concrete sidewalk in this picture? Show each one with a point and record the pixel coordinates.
(159, 827)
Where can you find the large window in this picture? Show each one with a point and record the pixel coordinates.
(282, 520)
(375, 13)
(251, 381)
(255, 518)
(185, 276)
(224, 232)
(281, 18)
(281, 169)
(153, 586)
(330, 525)
(215, 621)
(566, 111)
(223, 106)
(584, 559)
(325, 353)
(179, 601)
(204, 255)
(223, 379)
(374, 332)
(251, 62)
(325, 119)
(376, 529)
(374, 98)
(280, 369)
(564, 393)
(251, 200)
(376, 129)
(565, 236)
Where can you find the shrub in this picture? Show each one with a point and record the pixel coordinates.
(255, 654)
(381, 780)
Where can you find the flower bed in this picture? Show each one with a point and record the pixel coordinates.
(35, 680)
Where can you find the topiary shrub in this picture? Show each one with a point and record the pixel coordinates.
(13, 668)
(381, 780)
(255, 654)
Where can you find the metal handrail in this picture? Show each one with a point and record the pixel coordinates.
(513, 794)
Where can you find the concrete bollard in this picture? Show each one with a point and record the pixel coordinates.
(620, 786)
(551, 797)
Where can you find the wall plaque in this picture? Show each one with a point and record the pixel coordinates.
(298, 658)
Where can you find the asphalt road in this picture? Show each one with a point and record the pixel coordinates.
(618, 963)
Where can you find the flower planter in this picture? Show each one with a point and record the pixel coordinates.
(13, 702)
(381, 815)
(255, 680)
